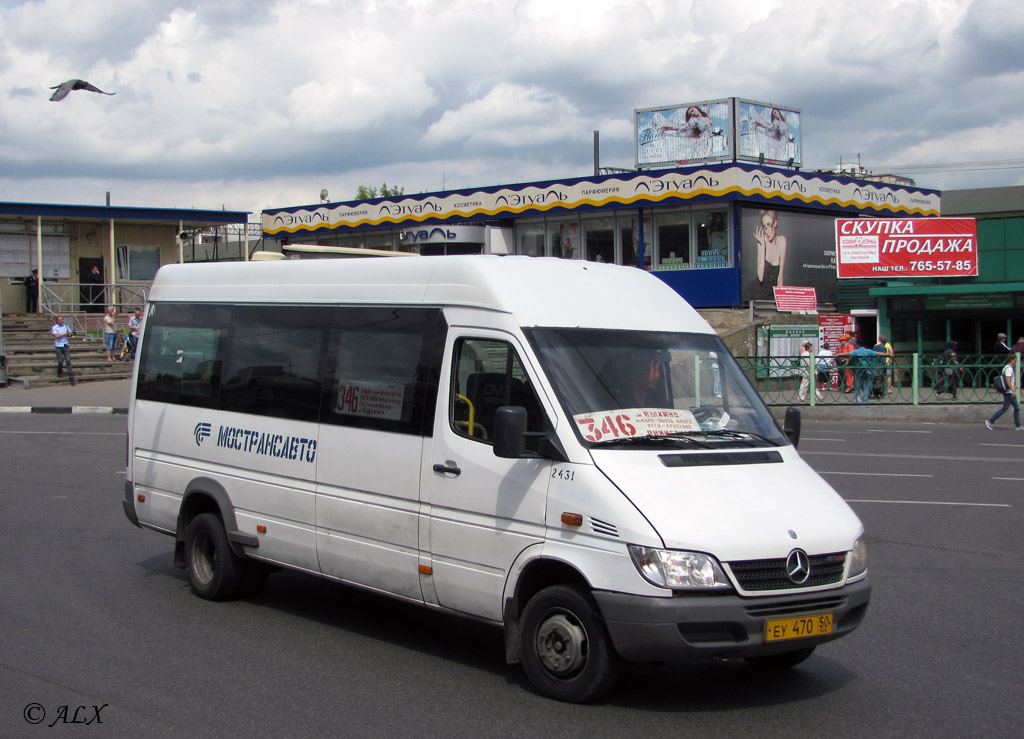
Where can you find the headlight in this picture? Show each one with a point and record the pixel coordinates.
(668, 568)
(858, 558)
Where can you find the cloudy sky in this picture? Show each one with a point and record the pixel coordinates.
(252, 104)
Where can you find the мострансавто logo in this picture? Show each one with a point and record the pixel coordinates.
(262, 443)
(202, 433)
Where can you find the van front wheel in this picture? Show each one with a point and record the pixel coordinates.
(566, 651)
(214, 571)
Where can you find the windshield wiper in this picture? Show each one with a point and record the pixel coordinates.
(671, 439)
(745, 435)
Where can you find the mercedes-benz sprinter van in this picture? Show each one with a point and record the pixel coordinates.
(560, 447)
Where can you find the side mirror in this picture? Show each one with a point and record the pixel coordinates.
(510, 432)
(791, 426)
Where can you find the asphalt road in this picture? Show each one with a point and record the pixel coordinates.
(94, 615)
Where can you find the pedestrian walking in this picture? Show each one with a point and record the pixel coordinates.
(61, 333)
(948, 378)
(1000, 349)
(1008, 378)
(805, 372)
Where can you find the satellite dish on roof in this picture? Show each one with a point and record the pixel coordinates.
(323, 195)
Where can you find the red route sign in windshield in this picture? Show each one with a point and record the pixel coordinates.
(906, 247)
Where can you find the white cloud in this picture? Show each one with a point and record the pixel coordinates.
(244, 102)
(508, 115)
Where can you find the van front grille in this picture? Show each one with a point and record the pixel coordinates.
(756, 575)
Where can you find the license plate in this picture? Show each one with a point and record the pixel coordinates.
(801, 627)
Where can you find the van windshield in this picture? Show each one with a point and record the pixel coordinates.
(625, 387)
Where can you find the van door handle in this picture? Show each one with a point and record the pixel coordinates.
(444, 469)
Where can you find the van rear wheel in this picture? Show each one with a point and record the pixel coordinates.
(214, 571)
(565, 647)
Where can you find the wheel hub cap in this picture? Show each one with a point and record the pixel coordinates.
(560, 645)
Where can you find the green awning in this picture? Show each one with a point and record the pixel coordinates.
(955, 289)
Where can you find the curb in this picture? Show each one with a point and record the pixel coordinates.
(75, 409)
(892, 413)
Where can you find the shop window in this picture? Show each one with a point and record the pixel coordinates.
(629, 237)
(564, 238)
(530, 240)
(673, 235)
(384, 241)
(599, 240)
(712, 240)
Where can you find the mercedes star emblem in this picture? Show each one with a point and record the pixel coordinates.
(798, 566)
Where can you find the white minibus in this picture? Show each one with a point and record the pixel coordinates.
(559, 447)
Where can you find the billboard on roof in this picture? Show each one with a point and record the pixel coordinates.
(684, 134)
(768, 134)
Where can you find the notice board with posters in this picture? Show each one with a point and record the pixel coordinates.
(906, 247)
(18, 256)
(781, 344)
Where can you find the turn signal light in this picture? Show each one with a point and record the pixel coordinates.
(426, 570)
(141, 498)
(261, 529)
(572, 519)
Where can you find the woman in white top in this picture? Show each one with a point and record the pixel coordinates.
(109, 332)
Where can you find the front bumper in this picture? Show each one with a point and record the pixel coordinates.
(696, 627)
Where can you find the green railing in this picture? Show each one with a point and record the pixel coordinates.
(911, 379)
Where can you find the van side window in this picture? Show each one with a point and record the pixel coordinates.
(180, 358)
(487, 375)
(382, 369)
(272, 366)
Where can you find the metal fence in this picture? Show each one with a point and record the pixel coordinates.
(910, 379)
(78, 301)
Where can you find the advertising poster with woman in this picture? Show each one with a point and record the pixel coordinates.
(785, 248)
(771, 132)
(684, 133)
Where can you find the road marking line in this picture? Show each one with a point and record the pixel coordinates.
(875, 474)
(931, 502)
(896, 431)
(1015, 446)
(1011, 479)
(811, 438)
(912, 456)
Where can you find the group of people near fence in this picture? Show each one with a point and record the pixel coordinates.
(869, 372)
(862, 370)
(61, 333)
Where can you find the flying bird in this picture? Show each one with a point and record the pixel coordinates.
(65, 87)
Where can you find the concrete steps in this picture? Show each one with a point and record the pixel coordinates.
(31, 358)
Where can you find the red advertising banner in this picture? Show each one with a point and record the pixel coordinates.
(832, 327)
(796, 299)
(906, 247)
